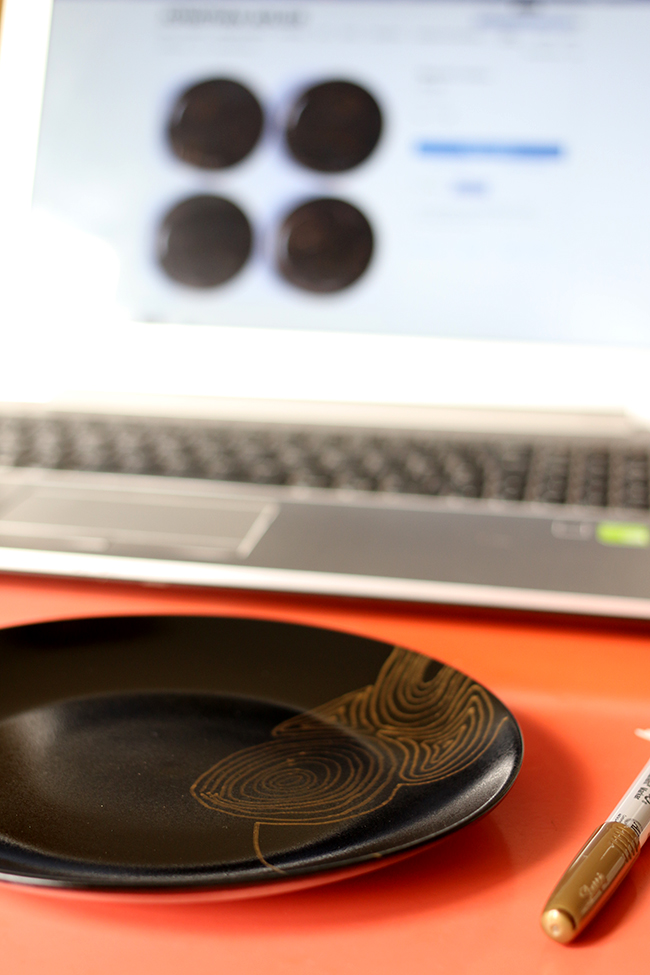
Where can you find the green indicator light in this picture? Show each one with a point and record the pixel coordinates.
(625, 533)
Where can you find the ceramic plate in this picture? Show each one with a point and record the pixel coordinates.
(176, 753)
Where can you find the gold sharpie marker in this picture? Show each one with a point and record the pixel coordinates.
(601, 864)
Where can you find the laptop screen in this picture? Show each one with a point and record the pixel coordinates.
(468, 169)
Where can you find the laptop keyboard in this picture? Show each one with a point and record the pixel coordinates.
(572, 472)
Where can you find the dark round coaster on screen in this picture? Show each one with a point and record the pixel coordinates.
(204, 241)
(324, 245)
(333, 126)
(215, 124)
(203, 752)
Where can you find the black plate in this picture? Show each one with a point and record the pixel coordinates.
(188, 752)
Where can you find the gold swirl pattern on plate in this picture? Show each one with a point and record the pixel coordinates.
(316, 774)
(348, 757)
(440, 726)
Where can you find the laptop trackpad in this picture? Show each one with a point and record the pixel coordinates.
(111, 521)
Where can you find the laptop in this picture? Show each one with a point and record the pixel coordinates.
(329, 296)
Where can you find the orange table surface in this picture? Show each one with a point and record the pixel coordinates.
(469, 903)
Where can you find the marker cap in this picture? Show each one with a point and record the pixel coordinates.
(590, 880)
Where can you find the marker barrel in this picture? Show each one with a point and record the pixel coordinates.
(634, 808)
(601, 865)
